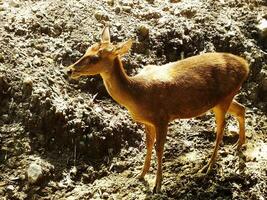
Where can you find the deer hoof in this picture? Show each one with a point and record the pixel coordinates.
(205, 170)
(156, 189)
(238, 144)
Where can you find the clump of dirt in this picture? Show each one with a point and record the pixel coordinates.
(92, 145)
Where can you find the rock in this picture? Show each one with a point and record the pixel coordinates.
(152, 14)
(118, 25)
(188, 12)
(117, 9)
(163, 21)
(36, 61)
(263, 105)
(105, 195)
(38, 170)
(57, 29)
(175, 1)
(45, 29)
(100, 15)
(262, 26)
(253, 92)
(126, 9)
(34, 173)
(14, 3)
(21, 31)
(10, 187)
(73, 171)
(5, 118)
(40, 47)
(143, 31)
(2, 8)
(27, 86)
(111, 2)
(119, 167)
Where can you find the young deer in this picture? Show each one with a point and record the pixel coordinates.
(160, 94)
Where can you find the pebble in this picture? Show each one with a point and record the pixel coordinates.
(10, 187)
(2, 8)
(27, 85)
(111, 2)
(143, 31)
(150, 1)
(14, 3)
(126, 9)
(262, 26)
(100, 15)
(117, 10)
(40, 47)
(20, 31)
(5, 118)
(73, 171)
(28, 81)
(36, 61)
(105, 195)
(34, 172)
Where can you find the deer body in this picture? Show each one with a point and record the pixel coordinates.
(160, 94)
(182, 89)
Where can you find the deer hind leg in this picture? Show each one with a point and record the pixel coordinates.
(238, 110)
(219, 111)
(150, 139)
(161, 132)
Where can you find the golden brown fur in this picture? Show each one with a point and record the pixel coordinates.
(159, 94)
(190, 87)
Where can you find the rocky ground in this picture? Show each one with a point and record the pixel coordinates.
(67, 139)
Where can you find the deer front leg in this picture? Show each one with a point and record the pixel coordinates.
(150, 139)
(161, 132)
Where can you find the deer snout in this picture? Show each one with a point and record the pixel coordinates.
(69, 71)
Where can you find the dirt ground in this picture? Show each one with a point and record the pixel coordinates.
(67, 139)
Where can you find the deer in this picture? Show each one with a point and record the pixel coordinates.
(158, 95)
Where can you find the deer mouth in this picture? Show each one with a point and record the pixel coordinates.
(73, 74)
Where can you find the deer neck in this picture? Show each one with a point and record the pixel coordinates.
(118, 84)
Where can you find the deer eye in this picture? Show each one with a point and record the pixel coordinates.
(94, 59)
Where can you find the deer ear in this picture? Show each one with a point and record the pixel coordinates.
(123, 47)
(105, 36)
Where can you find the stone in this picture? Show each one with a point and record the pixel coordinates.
(34, 172)
(143, 31)
(111, 2)
(262, 26)
(36, 61)
(105, 195)
(38, 170)
(27, 86)
(126, 9)
(117, 10)
(99, 15)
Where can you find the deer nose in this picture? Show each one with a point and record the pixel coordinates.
(69, 72)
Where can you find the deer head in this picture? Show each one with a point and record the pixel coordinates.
(99, 57)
